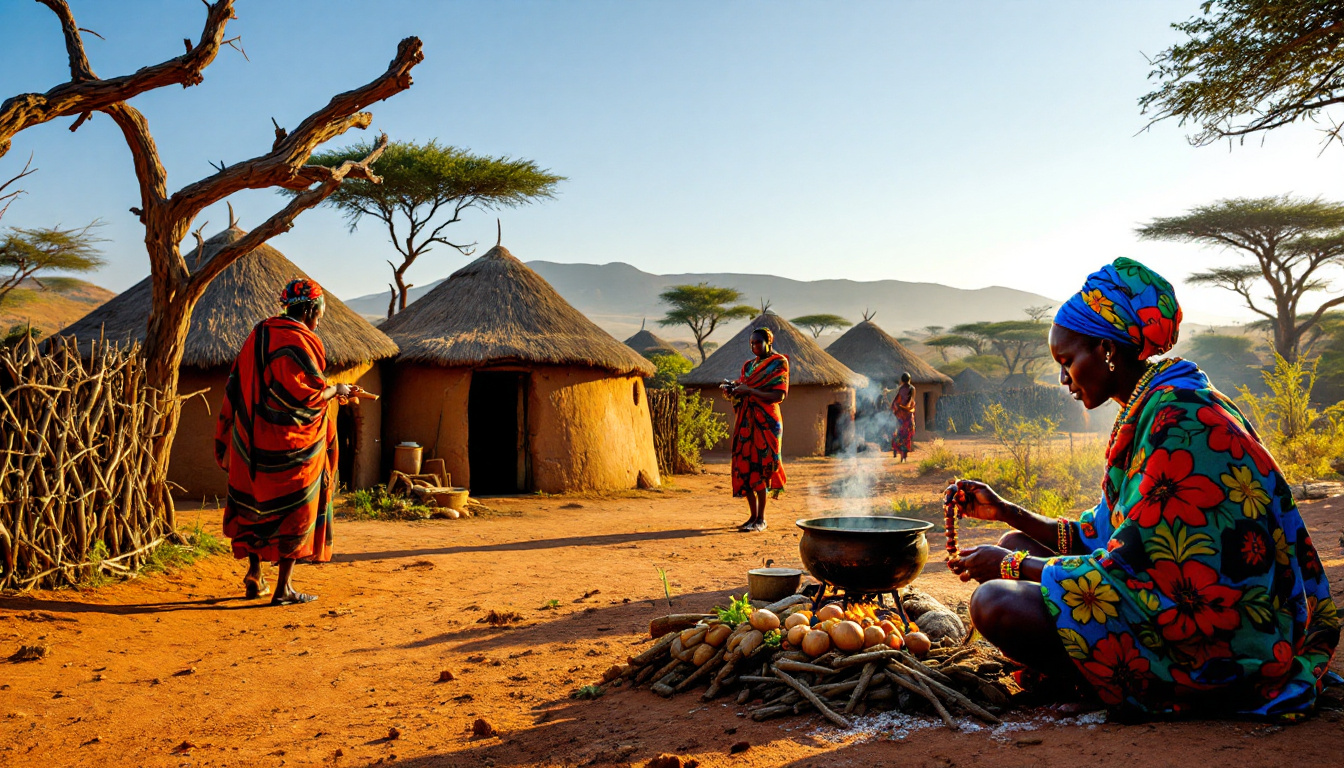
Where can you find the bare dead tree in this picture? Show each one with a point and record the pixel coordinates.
(168, 217)
(6, 198)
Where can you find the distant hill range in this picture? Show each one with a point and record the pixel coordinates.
(50, 311)
(618, 297)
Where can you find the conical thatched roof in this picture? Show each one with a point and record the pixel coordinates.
(649, 344)
(244, 294)
(970, 380)
(496, 310)
(869, 350)
(808, 363)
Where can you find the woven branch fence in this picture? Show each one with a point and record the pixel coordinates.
(663, 411)
(75, 437)
(961, 411)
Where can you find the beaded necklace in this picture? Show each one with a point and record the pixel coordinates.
(1137, 396)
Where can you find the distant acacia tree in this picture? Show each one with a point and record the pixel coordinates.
(1251, 65)
(424, 189)
(1293, 243)
(819, 324)
(31, 254)
(702, 308)
(1018, 343)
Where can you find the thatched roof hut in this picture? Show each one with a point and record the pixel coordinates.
(970, 380)
(515, 389)
(868, 349)
(819, 410)
(244, 294)
(650, 345)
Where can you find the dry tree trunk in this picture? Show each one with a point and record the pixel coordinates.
(168, 218)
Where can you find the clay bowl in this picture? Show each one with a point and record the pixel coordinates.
(773, 584)
(864, 554)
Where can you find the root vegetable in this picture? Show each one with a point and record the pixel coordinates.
(873, 635)
(703, 653)
(918, 643)
(750, 642)
(675, 623)
(796, 634)
(847, 636)
(830, 611)
(797, 620)
(678, 650)
(693, 636)
(816, 642)
(718, 635)
(763, 620)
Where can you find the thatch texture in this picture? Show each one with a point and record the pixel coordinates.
(495, 311)
(970, 380)
(244, 294)
(869, 350)
(649, 344)
(808, 362)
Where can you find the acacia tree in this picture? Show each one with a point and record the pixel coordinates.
(27, 254)
(424, 189)
(819, 324)
(1293, 243)
(1250, 66)
(168, 217)
(1019, 343)
(701, 308)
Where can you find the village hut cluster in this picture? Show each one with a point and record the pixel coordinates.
(501, 378)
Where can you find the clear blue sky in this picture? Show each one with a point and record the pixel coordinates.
(966, 143)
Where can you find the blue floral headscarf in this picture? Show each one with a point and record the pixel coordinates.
(1127, 303)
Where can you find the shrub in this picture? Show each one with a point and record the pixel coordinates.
(699, 428)
(377, 504)
(669, 368)
(1302, 438)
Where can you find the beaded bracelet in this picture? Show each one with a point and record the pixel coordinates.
(1011, 567)
(1065, 537)
(952, 509)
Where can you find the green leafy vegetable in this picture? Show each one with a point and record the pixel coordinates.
(737, 611)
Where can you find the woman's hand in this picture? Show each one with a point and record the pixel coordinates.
(981, 502)
(979, 563)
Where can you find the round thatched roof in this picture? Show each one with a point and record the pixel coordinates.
(496, 310)
(970, 380)
(244, 294)
(869, 350)
(649, 344)
(808, 363)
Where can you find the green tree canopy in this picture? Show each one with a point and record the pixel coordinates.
(702, 308)
(31, 255)
(1019, 344)
(1293, 243)
(1229, 360)
(427, 187)
(669, 368)
(1251, 65)
(819, 324)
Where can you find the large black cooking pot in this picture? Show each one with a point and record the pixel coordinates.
(864, 554)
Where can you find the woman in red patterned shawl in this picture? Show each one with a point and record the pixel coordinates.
(756, 395)
(277, 441)
(903, 408)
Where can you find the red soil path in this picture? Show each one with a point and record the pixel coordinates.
(137, 670)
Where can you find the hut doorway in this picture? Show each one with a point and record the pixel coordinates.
(347, 444)
(497, 432)
(835, 423)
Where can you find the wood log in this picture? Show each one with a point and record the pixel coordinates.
(816, 701)
(702, 670)
(788, 665)
(865, 678)
(675, 623)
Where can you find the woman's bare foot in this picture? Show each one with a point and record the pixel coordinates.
(255, 588)
(291, 597)
(759, 525)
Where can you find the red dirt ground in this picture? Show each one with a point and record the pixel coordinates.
(176, 670)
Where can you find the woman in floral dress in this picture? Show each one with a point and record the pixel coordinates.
(1193, 584)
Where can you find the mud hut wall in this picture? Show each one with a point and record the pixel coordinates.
(368, 423)
(803, 411)
(589, 430)
(427, 404)
(191, 464)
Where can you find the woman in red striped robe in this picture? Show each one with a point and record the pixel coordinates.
(758, 427)
(277, 441)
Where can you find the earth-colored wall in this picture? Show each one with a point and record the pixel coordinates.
(587, 429)
(192, 463)
(804, 414)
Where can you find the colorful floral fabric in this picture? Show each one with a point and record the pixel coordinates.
(1203, 588)
(903, 407)
(758, 428)
(277, 441)
(1127, 303)
(301, 290)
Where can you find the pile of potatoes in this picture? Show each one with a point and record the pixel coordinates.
(848, 631)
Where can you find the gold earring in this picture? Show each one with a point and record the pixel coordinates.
(1109, 364)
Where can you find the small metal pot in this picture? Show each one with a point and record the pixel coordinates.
(773, 584)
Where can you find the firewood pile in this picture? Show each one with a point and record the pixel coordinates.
(75, 449)
(773, 677)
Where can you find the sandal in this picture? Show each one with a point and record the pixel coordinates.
(293, 598)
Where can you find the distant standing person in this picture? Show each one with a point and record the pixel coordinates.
(903, 408)
(278, 444)
(758, 468)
